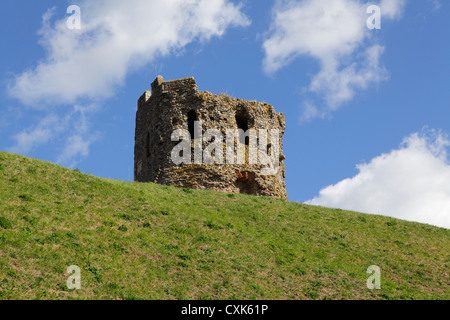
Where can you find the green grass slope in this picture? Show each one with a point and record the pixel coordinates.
(146, 241)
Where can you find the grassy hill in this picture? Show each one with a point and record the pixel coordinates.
(146, 241)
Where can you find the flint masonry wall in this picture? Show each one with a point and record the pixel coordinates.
(173, 105)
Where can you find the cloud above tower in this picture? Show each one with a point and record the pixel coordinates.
(116, 37)
(84, 66)
(334, 33)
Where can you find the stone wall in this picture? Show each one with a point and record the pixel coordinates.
(173, 105)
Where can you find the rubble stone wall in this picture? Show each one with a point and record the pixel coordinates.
(173, 105)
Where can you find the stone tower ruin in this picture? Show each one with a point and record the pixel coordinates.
(174, 107)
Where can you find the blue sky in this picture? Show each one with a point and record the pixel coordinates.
(366, 110)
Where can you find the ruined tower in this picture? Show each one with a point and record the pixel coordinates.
(177, 104)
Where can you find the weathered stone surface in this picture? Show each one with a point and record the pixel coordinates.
(172, 105)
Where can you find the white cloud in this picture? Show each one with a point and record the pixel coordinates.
(77, 147)
(410, 183)
(339, 86)
(72, 130)
(392, 9)
(116, 36)
(319, 28)
(310, 111)
(89, 64)
(77, 144)
(40, 133)
(335, 34)
(437, 4)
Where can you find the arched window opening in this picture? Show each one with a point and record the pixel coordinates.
(242, 123)
(147, 144)
(192, 117)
